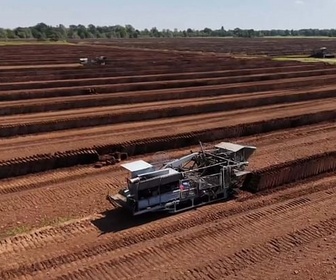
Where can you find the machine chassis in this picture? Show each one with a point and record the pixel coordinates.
(194, 180)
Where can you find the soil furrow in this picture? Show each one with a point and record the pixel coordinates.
(155, 100)
(267, 72)
(167, 105)
(38, 75)
(203, 217)
(220, 125)
(206, 240)
(232, 85)
(69, 189)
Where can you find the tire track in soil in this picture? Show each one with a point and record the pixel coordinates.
(235, 225)
(59, 193)
(60, 234)
(290, 261)
(100, 251)
(49, 178)
(233, 264)
(196, 242)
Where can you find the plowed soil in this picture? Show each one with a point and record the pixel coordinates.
(237, 46)
(58, 225)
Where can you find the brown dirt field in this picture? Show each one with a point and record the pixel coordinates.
(153, 110)
(136, 131)
(62, 190)
(41, 67)
(234, 84)
(240, 235)
(238, 46)
(8, 108)
(211, 77)
(164, 70)
(149, 103)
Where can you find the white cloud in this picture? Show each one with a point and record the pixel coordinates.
(299, 2)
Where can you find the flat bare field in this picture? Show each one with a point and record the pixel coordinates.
(266, 46)
(58, 118)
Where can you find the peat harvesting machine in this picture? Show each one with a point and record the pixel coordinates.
(99, 60)
(322, 53)
(196, 179)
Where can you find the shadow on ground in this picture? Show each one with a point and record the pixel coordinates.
(119, 219)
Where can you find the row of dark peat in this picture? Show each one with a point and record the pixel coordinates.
(90, 155)
(291, 171)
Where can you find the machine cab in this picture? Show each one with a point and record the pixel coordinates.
(148, 188)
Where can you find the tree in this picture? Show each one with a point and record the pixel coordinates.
(10, 34)
(42, 31)
(237, 32)
(222, 32)
(207, 31)
(154, 32)
(130, 31)
(3, 33)
(23, 33)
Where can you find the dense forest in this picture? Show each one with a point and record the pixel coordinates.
(43, 31)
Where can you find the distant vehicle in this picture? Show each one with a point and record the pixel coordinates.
(322, 53)
(100, 60)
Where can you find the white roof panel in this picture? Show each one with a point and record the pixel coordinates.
(233, 147)
(230, 146)
(136, 165)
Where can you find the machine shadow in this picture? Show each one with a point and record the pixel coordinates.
(119, 219)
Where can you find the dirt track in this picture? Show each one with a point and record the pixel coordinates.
(286, 110)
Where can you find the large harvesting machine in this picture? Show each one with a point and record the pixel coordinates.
(322, 53)
(193, 180)
(99, 60)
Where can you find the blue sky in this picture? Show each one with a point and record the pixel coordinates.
(181, 14)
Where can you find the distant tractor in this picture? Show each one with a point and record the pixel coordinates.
(100, 60)
(322, 53)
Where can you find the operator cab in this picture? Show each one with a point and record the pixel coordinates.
(148, 188)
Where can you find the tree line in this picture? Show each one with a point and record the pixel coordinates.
(43, 31)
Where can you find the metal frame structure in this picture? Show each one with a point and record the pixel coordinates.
(193, 180)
